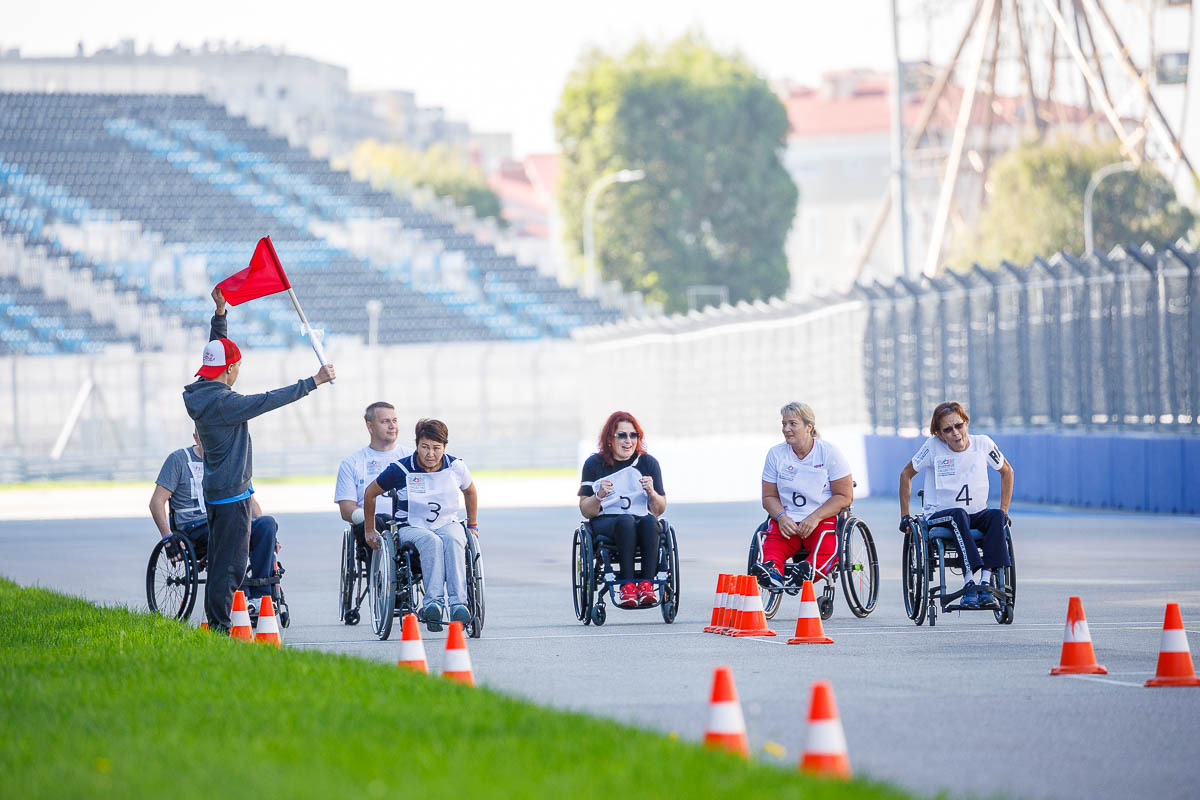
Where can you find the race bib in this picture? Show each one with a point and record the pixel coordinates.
(802, 489)
(433, 499)
(627, 497)
(197, 470)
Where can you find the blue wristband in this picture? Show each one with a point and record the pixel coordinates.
(472, 527)
(780, 514)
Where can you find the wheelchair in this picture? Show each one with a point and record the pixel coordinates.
(394, 587)
(593, 576)
(854, 561)
(176, 570)
(355, 567)
(931, 549)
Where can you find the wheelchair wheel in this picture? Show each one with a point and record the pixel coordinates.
(913, 574)
(859, 566)
(583, 578)
(475, 598)
(1004, 585)
(381, 586)
(172, 577)
(348, 576)
(771, 599)
(408, 586)
(670, 592)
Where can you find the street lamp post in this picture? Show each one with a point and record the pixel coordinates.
(1097, 176)
(589, 222)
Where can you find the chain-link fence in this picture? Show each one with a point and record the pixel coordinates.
(1098, 343)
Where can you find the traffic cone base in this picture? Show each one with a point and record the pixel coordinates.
(412, 649)
(726, 725)
(820, 764)
(268, 624)
(1077, 657)
(1174, 656)
(457, 666)
(809, 629)
(239, 619)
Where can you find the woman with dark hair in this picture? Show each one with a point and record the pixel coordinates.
(621, 492)
(956, 494)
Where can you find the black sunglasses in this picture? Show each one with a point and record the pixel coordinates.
(958, 426)
(625, 436)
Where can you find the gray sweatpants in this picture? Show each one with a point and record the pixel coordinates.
(429, 549)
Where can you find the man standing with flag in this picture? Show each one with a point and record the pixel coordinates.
(221, 415)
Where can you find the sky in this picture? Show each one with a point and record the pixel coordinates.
(499, 66)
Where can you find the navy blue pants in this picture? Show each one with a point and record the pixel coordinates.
(990, 522)
(630, 533)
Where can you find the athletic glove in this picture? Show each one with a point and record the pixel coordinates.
(905, 523)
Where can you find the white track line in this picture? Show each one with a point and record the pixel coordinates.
(1098, 679)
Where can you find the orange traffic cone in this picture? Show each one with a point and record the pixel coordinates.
(808, 625)
(1077, 658)
(204, 625)
(239, 619)
(754, 621)
(1174, 657)
(714, 624)
(726, 725)
(825, 741)
(268, 625)
(733, 603)
(457, 666)
(412, 649)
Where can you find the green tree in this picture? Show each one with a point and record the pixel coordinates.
(1035, 207)
(716, 203)
(444, 169)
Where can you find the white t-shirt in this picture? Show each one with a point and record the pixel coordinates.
(957, 480)
(357, 470)
(804, 482)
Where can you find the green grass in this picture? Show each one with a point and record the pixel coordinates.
(106, 702)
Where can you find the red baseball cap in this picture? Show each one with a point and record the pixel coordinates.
(218, 355)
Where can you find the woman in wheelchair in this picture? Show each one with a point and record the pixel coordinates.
(621, 492)
(805, 483)
(427, 485)
(955, 463)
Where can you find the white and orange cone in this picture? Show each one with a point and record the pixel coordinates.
(1174, 656)
(457, 666)
(239, 619)
(714, 625)
(737, 603)
(412, 649)
(268, 624)
(731, 599)
(809, 629)
(824, 741)
(1077, 658)
(754, 620)
(726, 725)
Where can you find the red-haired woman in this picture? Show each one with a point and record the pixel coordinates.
(621, 492)
(956, 493)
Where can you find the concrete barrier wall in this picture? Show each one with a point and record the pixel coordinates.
(1133, 473)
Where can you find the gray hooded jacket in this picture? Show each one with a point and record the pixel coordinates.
(221, 415)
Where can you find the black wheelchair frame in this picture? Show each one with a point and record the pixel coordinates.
(397, 589)
(856, 561)
(174, 575)
(593, 576)
(930, 550)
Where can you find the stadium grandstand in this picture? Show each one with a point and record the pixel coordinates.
(118, 211)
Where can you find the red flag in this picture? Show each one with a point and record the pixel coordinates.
(264, 276)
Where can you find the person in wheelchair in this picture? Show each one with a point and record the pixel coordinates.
(805, 483)
(621, 492)
(955, 463)
(178, 500)
(427, 486)
(360, 468)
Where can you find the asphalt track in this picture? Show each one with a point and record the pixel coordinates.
(966, 708)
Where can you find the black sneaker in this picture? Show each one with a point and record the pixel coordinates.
(970, 596)
(804, 571)
(772, 575)
(431, 615)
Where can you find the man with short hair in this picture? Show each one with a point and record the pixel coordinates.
(358, 469)
(221, 415)
(177, 505)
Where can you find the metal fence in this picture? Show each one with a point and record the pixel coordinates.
(1105, 343)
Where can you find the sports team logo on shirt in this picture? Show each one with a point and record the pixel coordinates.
(373, 463)
(790, 468)
(416, 484)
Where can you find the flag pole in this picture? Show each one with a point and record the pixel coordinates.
(307, 329)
